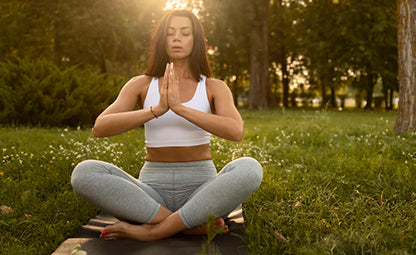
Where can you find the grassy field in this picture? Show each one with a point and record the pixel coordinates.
(334, 182)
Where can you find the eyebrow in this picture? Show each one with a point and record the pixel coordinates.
(179, 28)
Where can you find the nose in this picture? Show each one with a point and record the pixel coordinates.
(176, 36)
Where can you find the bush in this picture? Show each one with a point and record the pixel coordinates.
(37, 92)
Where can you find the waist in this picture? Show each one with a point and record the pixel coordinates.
(179, 154)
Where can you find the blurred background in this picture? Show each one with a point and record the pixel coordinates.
(63, 62)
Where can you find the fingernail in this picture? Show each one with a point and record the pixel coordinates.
(219, 222)
(105, 231)
(226, 228)
(171, 65)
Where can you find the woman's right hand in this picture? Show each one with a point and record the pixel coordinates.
(163, 105)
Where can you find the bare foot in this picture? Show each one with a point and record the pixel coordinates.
(202, 229)
(148, 232)
(124, 230)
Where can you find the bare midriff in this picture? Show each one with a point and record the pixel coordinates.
(179, 154)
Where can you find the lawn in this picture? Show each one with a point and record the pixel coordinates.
(334, 182)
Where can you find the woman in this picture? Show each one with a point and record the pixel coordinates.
(180, 107)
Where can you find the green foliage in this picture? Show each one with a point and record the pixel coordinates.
(333, 183)
(35, 170)
(38, 92)
(330, 43)
(354, 40)
(105, 36)
(213, 229)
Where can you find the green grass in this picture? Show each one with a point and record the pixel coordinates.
(334, 182)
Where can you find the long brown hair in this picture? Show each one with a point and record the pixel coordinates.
(158, 58)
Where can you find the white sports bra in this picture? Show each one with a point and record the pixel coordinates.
(172, 130)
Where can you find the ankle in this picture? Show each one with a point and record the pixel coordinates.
(162, 214)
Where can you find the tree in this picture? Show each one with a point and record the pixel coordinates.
(373, 37)
(107, 36)
(25, 29)
(260, 94)
(406, 115)
(323, 34)
(284, 41)
(248, 39)
(228, 43)
(110, 36)
(253, 17)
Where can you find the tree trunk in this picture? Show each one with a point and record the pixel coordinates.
(235, 90)
(285, 84)
(386, 97)
(391, 99)
(369, 99)
(369, 91)
(260, 94)
(323, 90)
(406, 115)
(333, 98)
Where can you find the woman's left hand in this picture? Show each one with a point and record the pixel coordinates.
(174, 100)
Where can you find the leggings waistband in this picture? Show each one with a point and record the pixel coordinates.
(201, 163)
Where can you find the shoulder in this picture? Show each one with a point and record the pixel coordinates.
(217, 92)
(141, 80)
(138, 84)
(216, 86)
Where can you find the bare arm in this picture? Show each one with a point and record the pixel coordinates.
(120, 117)
(226, 122)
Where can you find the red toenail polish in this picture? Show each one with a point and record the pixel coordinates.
(105, 231)
(226, 228)
(220, 223)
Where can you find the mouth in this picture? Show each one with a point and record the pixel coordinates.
(176, 48)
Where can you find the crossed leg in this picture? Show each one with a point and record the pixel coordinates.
(169, 226)
(100, 182)
(234, 184)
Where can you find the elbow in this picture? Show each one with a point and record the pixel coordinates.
(237, 136)
(97, 131)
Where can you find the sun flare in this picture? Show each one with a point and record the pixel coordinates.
(175, 4)
(195, 5)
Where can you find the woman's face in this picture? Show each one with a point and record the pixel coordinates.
(180, 39)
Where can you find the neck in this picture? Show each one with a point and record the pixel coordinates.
(182, 70)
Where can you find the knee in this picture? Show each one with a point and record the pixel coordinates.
(253, 171)
(80, 174)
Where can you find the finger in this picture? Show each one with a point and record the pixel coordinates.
(172, 74)
(165, 82)
(106, 235)
(112, 236)
(167, 69)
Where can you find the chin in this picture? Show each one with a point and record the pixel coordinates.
(178, 57)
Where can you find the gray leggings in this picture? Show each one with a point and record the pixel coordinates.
(193, 188)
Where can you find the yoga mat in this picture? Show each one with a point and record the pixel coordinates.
(88, 237)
